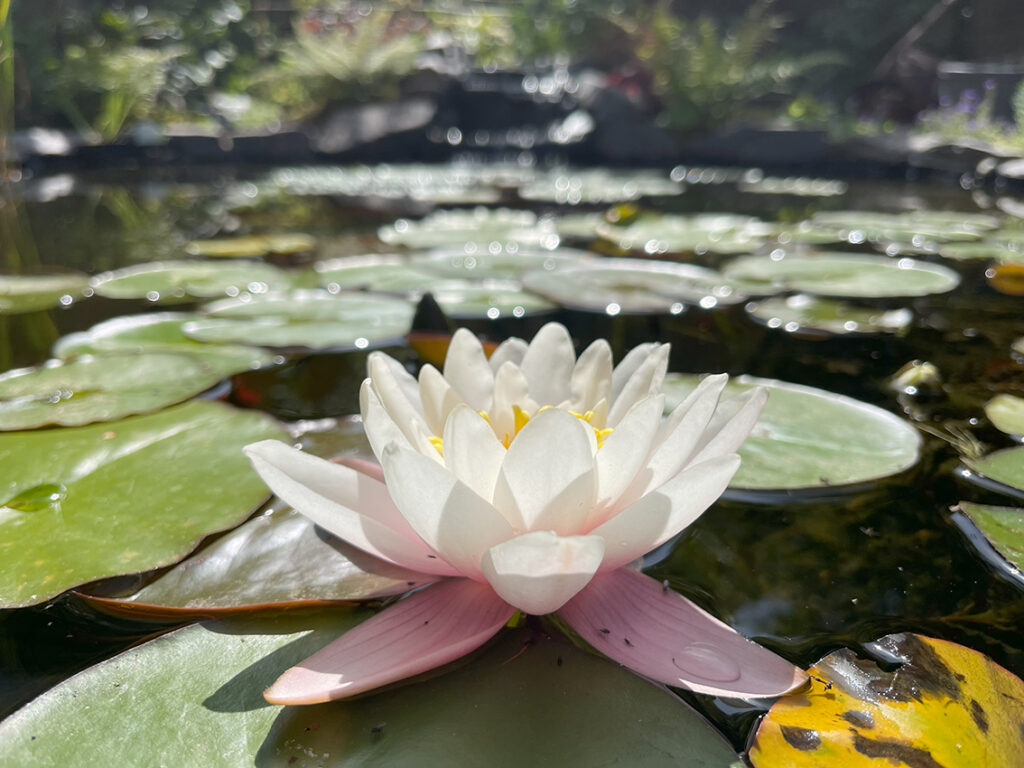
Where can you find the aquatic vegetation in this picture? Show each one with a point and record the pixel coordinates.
(527, 482)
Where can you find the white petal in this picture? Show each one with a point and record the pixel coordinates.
(380, 428)
(678, 437)
(392, 395)
(624, 452)
(627, 366)
(509, 351)
(406, 381)
(663, 513)
(539, 572)
(591, 377)
(467, 369)
(548, 364)
(731, 424)
(471, 451)
(547, 479)
(345, 502)
(645, 380)
(510, 389)
(438, 398)
(443, 510)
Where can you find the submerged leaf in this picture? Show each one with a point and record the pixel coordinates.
(944, 706)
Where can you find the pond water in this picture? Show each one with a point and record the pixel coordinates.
(802, 571)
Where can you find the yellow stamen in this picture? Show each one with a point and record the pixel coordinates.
(521, 418)
(438, 443)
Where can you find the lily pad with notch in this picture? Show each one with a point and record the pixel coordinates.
(208, 678)
(160, 332)
(943, 705)
(102, 387)
(811, 440)
(85, 503)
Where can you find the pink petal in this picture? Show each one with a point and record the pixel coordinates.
(660, 634)
(362, 466)
(425, 630)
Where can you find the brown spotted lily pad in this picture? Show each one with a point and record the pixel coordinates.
(943, 706)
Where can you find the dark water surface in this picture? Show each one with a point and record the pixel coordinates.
(803, 578)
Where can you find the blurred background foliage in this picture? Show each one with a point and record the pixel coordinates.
(102, 66)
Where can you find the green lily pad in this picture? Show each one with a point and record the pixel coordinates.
(305, 319)
(86, 503)
(579, 226)
(490, 299)
(918, 228)
(1005, 468)
(193, 697)
(699, 233)
(1006, 412)
(841, 275)
(498, 262)
(374, 272)
(478, 225)
(160, 332)
(810, 315)
(179, 281)
(598, 186)
(633, 286)
(943, 705)
(983, 250)
(799, 186)
(1003, 527)
(100, 387)
(28, 293)
(254, 246)
(810, 439)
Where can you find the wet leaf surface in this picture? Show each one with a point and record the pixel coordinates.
(1003, 527)
(1005, 468)
(1006, 412)
(805, 314)
(181, 281)
(944, 706)
(524, 698)
(811, 439)
(102, 387)
(84, 503)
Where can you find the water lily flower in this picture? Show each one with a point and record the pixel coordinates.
(533, 481)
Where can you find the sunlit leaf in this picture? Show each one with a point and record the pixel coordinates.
(810, 315)
(160, 332)
(252, 245)
(1005, 468)
(811, 439)
(477, 225)
(84, 503)
(841, 275)
(180, 281)
(1006, 412)
(28, 293)
(944, 705)
(101, 387)
(193, 697)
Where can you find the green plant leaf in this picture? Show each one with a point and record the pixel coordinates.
(1005, 468)
(28, 293)
(193, 697)
(598, 186)
(374, 272)
(85, 503)
(700, 233)
(161, 332)
(632, 286)
(305, 319)
(810, 315)
(182, 281)
(1003, 527)
(811, 439)
(501, 264)
(477, 225)
(1006, 412)
(102, 387)
(841, 275)
(252, 245)
(944, 705)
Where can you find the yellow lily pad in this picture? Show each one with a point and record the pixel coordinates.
(943, 706)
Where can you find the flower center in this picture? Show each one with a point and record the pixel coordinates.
(521, 418)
